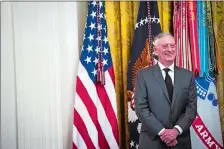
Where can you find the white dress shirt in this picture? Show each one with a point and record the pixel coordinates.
(171, 73)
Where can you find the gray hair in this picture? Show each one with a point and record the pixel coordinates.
(160, 35)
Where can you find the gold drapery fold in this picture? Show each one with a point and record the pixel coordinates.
(121, 19)
(218, 25)
(165, 14)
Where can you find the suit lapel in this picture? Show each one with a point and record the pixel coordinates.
(158, 75)
(177, 80)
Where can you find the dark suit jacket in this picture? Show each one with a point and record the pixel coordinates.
(155, 110)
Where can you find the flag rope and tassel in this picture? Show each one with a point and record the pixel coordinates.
(151, 62)
(100, 70)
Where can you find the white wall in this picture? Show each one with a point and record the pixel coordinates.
(39, 55)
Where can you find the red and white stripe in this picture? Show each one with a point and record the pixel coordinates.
(95, 113)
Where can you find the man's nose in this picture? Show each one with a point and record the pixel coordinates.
(170, 48)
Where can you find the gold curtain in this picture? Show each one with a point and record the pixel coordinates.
(121, 18)
(166, 16)
(218, 25)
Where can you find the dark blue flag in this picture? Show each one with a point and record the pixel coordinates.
(146, 28)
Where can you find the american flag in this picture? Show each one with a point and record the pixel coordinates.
(95, 109)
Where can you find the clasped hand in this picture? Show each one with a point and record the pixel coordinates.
(169, 136)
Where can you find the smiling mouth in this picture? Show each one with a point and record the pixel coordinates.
(170, 54)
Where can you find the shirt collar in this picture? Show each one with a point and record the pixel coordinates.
(171, 67)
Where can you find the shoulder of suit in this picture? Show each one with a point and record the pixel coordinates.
(185, 70)
(146, 69)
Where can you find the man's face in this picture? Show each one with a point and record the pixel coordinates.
(166, 49)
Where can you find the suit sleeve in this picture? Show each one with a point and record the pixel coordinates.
(142, 109)
(187, 118)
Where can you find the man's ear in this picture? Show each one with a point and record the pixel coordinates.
(155, 51)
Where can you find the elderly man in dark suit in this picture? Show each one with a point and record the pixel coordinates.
(165, 100)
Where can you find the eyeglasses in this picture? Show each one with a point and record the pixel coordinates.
(166, 46)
